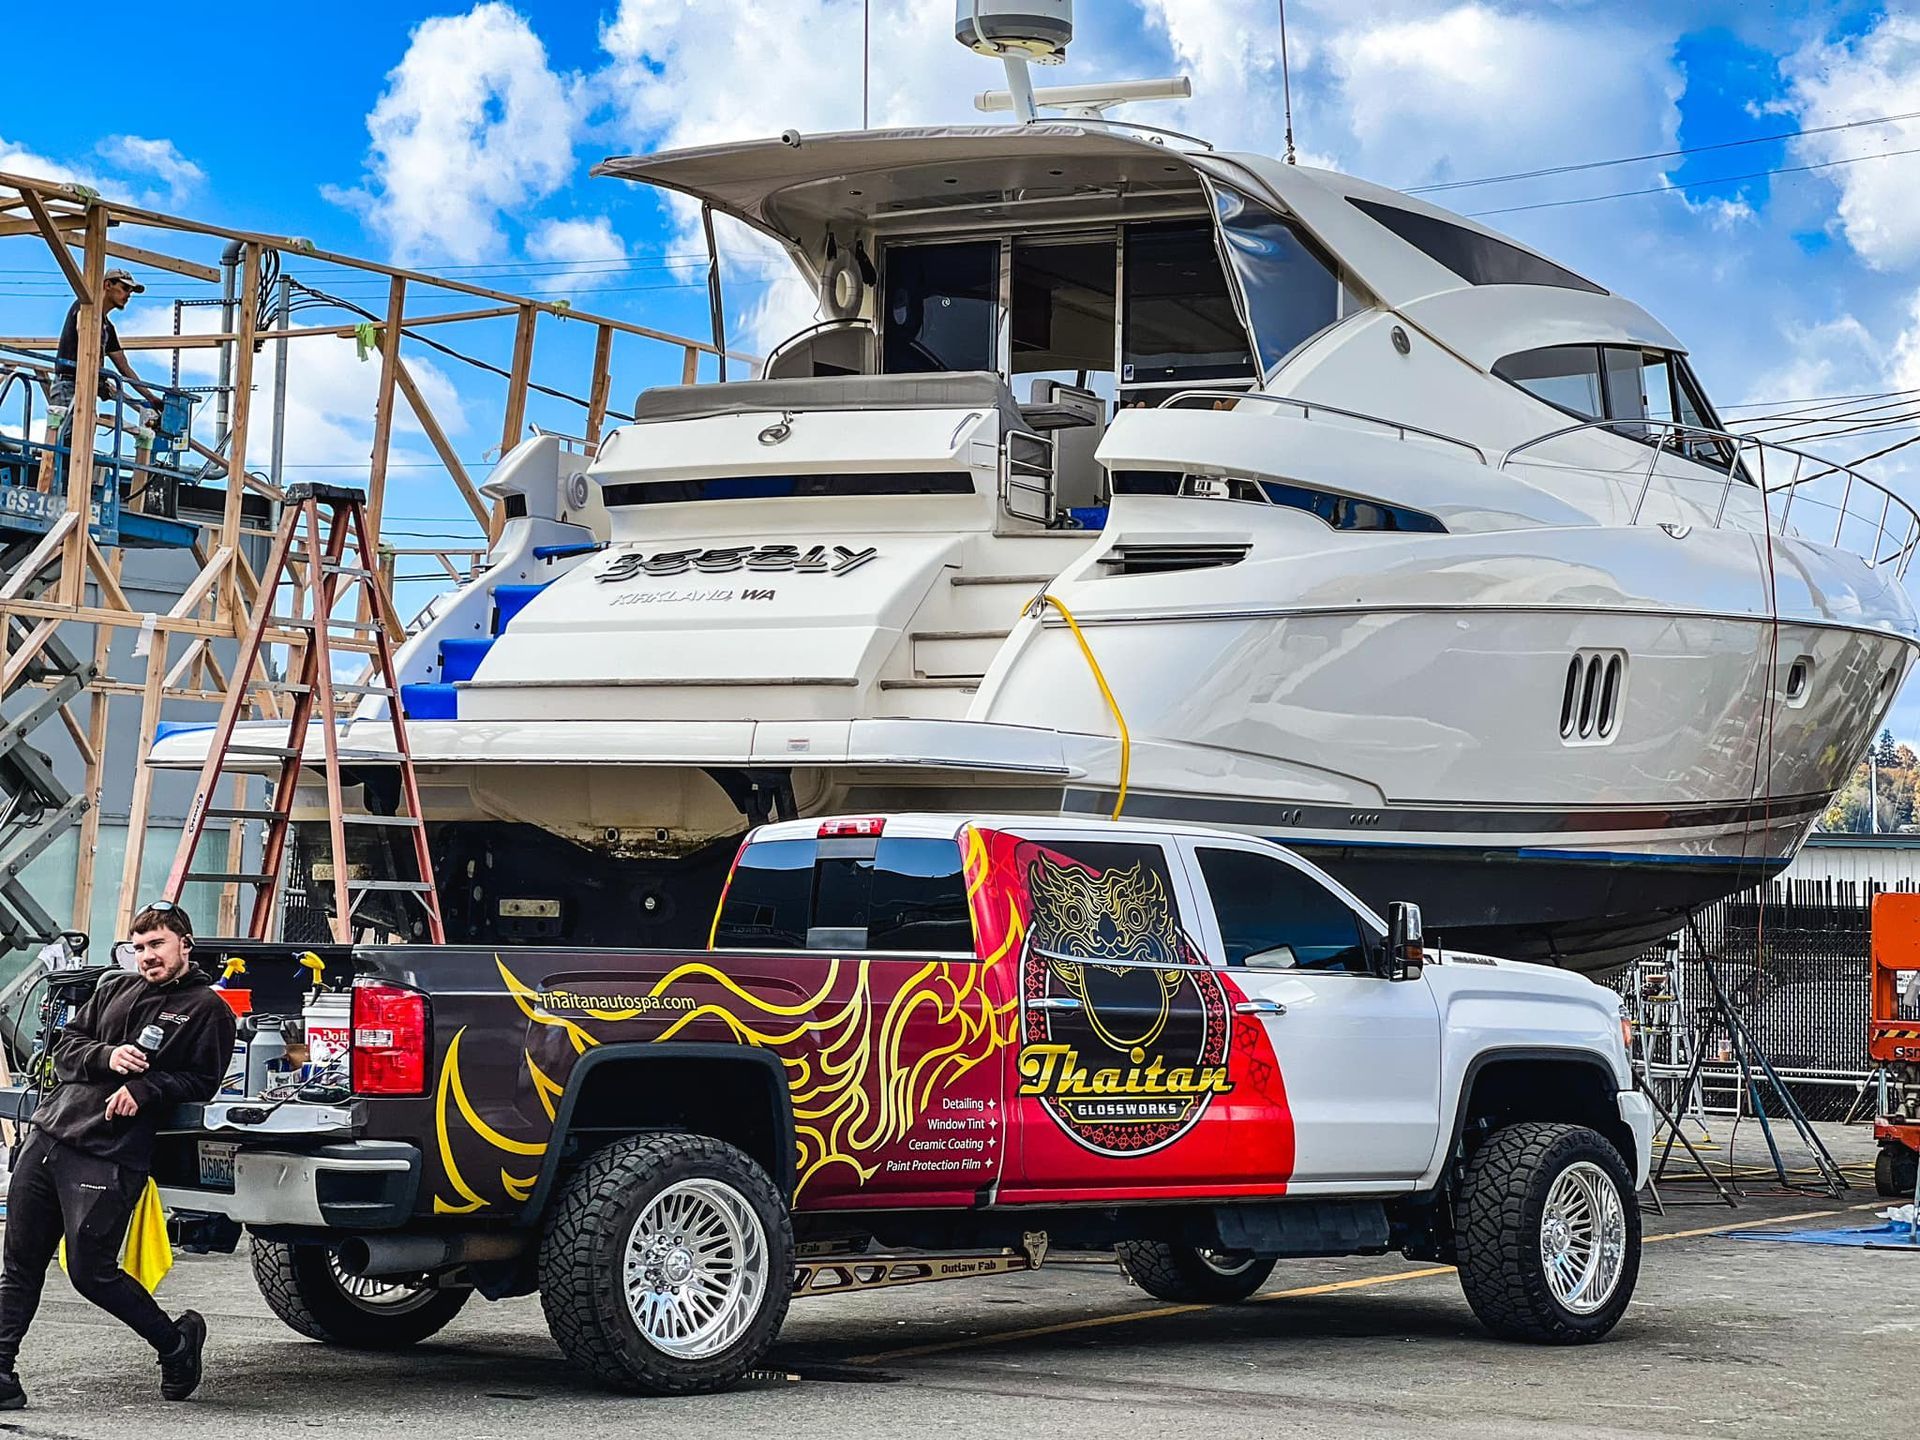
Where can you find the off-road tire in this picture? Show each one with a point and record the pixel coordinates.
(1497, 1218)
(300, 1286)
(583, 1252)
(1181, 1273)
(1894, 1170)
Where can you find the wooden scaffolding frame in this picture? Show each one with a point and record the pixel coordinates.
(69, 580)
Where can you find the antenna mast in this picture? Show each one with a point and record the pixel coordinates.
(1286, 82)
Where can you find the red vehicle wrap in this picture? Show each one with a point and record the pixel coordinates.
(1086, 1051)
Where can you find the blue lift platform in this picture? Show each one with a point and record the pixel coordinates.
(135, 487)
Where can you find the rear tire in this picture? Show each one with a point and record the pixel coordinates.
(1894, 1170)
(667, 1265)
(305, 1287)
(1547, 1227)
(1192, 1276)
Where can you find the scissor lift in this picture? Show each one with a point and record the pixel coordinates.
(1893, 1041)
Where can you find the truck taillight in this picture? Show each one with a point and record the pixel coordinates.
(389, 1039)
(840, 829)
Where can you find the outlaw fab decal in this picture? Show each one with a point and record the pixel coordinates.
(1125, 1032)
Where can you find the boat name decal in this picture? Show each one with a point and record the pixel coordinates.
(820, 559)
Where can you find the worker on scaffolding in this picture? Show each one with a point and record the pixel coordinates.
(144, 1043)
(117, 289)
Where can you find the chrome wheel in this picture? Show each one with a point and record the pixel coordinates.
(1226, 1262)
(1583, 1237)
(696, 1269)
(382, 1297)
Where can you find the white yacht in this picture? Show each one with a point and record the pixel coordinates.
(1123, 474)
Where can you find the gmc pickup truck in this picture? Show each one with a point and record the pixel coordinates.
(934, 1035)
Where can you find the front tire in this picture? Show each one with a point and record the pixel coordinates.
(1189, 1275)
(1547, 1227)
(667, 1265)
(305, 1286)
(1895, 1170)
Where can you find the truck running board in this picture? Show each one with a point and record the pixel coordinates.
(881, 1272)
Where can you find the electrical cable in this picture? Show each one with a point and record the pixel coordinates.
(1657, 154)
(1691, 184)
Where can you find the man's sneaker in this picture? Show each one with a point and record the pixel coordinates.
(180, 1367)
(12, 1397)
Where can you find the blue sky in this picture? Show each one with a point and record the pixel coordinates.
(460, 135)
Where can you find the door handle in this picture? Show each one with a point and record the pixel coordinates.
(1054, 1002)
(1259, 1007)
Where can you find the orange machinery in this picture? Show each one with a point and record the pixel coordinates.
(1893, 1040)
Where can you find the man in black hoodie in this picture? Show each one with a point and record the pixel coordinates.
(143, 1044)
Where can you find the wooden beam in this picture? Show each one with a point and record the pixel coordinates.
(437, 437)
(93, 747)
(139, 807)
(242, 413)
(212, 339)
(106, 576)
(118, 619)
(88, 752)
(515, 420)
(155, 260)
(18, 661)
(159, 220)
(56, 242)
(27, 225)
(195, 594)
(599, 387)
(40, 556)
(690, 366)
(383, 405)
(86, 401)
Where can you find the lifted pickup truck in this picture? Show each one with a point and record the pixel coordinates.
(961, 1037)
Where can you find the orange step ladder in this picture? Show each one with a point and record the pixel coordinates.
(323, 549)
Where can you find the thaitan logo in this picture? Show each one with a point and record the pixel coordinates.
(1124, 1035)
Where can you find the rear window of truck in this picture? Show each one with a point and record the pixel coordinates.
(852, 893)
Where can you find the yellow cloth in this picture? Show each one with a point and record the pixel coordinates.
(147, 1254)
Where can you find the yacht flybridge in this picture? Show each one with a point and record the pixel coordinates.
(1124, 474)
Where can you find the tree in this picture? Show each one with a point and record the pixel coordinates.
(1904, 758)
(1884, 752)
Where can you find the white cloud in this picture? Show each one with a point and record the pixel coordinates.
(1877, 73)
(1471, 89)
(473, 123)
(160, 159)
(587, 251)
(18, 160)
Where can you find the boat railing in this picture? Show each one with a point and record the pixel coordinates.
(1311, 409)
(1868, 518)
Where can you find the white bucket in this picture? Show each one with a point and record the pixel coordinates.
(329, 1016)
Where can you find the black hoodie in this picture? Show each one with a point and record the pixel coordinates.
(198, 1027)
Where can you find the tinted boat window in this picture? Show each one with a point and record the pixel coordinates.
(1292, 293)
(847, 894)
(1177, 318)
(1563, 375)
(1478, 259)
(1274, 917)
(942, 310)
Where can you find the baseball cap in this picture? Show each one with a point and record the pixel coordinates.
(126, 278)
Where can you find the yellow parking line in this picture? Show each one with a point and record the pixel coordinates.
(1095, 1322)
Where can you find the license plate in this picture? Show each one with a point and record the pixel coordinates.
(216, 1164)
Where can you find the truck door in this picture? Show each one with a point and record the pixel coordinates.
(1125, 1074)
(1359, 1055)
(883, 1020)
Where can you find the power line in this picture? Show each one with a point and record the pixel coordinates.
(1693, 184)
(1658, 154)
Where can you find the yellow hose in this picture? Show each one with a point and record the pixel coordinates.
(1106, 693)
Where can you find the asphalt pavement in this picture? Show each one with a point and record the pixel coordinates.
(1725, 1337)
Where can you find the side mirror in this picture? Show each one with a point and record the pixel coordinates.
(1406, 950)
